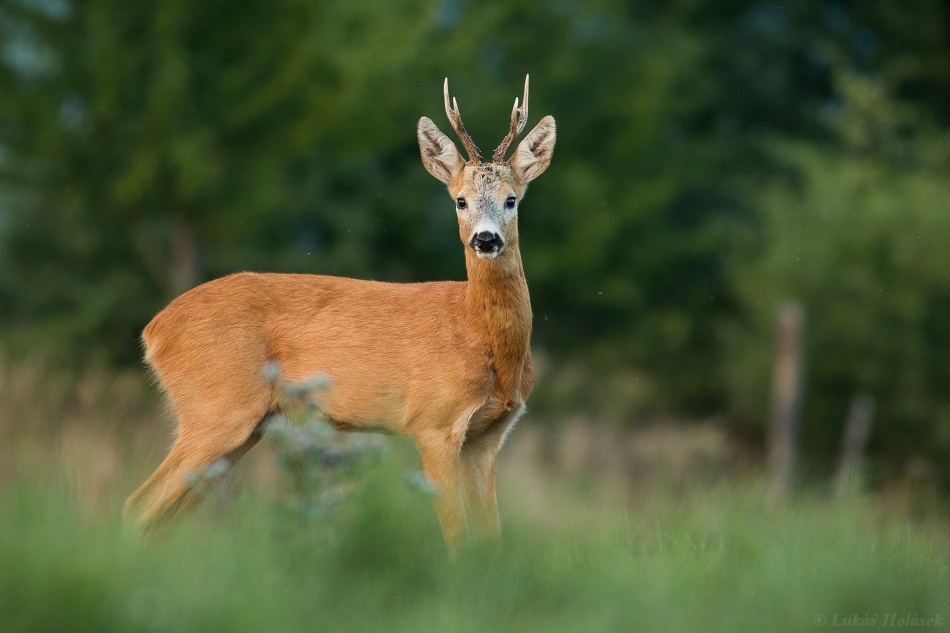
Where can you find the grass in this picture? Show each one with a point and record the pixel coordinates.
(712, 558)
(724, 562)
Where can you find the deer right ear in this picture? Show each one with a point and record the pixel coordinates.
(439, 155)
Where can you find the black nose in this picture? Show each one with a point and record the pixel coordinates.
(486, 242)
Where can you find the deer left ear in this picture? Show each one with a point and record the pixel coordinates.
(534, 153)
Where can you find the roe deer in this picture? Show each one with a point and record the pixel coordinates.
(445, 363)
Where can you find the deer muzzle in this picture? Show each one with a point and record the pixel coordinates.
(487, 244)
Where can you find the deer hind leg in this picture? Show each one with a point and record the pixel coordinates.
(207, 434)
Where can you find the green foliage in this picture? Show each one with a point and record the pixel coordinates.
(858, 237)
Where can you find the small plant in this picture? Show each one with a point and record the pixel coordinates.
(322, 464)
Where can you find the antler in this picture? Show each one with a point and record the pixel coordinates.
(474, 156)
(519, 116)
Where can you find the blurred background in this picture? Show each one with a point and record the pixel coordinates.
(716, 159)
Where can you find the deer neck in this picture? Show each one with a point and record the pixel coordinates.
(499, 310)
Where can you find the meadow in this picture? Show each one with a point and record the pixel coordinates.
(580, 552)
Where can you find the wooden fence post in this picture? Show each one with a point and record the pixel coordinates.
(786, 401)
(850, 478)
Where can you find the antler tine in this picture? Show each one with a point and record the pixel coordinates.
(524, 106)
(519, 116)
(455, 118)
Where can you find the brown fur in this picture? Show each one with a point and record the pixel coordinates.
(445, 363)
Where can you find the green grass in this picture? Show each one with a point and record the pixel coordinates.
(721, 561)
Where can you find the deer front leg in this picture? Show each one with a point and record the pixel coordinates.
(478, 458)
(440, 462)
(478, 481)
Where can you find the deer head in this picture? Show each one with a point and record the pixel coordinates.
(487, 194)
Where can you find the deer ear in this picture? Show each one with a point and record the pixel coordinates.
(439, 155)
(534, 153)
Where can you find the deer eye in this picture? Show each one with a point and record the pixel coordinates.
(510, 202)
(461, 204)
